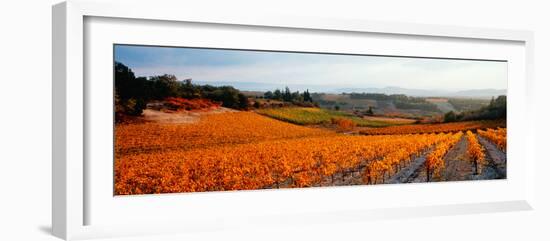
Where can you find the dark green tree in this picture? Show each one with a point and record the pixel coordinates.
(229, 96)
(165, 86)
(449, 116)
(307, 96)
(277, 94)
(269, 95)
(243, 101)
(188, 90)
(130, 92)
(257, 104)
(125, 83)
(287, 95)
(370, 111)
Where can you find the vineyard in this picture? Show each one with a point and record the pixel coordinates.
(314, 116)
(245, 151)
(497, 136)
(213, 130)
(434, 128)
(224, 120)
(434, 161)
(475, 152)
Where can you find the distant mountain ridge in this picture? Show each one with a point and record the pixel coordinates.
(256, 86)
(478, 93)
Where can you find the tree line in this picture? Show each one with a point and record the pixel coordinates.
(495, 110)
(400, 101)
(133, 93)
(288, 96)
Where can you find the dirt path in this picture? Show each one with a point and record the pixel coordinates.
(457, 164)
(414, 172)
(183, 117)
(419, 175)
(496, 161)
(457, 167)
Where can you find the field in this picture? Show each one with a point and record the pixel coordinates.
(435, 128)
(392, 120)
(212, 130)
(245, 150)
(442, 104)
(386, 105)
(314, 116)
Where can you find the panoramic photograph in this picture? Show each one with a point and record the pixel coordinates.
(204, 119)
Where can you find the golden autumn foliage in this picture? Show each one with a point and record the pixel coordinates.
(302, 162)
(496, 136)
(475, 152)
(434, 160)
(245, 151)
(434, 128)
(399, 155)
(156, 157)
(215, 130)
(343, 124)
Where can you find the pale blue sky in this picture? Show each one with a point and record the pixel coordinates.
(342, 71)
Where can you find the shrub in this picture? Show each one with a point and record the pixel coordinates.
(344, 124)
(176, 103)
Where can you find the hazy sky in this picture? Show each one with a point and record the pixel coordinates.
(342, 71)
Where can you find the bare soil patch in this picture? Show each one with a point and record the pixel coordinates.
(413, 173)
(496, 161)
(458, 166)
(180, 117)
(393, 120)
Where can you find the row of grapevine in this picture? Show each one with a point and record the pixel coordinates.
(245, 151)
(211, 130)
(376, 171)
(475, 152)
(497, 136)
(434, 160)
(434, 128)
(299, 163)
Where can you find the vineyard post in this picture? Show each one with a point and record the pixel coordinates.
(367, 171)
(427, 173)
(343, 175)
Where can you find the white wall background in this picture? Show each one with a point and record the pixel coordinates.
(25, 119)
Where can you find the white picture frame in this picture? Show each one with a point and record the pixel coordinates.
(71, 111)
